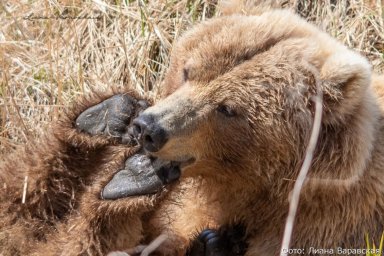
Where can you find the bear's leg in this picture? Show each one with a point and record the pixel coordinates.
(227, 241)
(43, 181)
(184, 210)
(101, 226)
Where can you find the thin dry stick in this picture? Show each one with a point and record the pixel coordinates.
(144, 250)
(303, 173)
(154, 245)
(25, 190)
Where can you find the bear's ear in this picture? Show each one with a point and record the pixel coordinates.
(345, 77)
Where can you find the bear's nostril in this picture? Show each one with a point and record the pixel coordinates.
(154, 139)
(148, 139)
(147, 131)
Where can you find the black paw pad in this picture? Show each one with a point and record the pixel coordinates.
(142, 175)
(227, 241)
(112, 117)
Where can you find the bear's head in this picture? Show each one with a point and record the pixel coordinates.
(238, 98)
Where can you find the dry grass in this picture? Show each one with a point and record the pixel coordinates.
(46, 63)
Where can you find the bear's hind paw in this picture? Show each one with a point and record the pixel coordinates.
(112, 118)
(224, 242)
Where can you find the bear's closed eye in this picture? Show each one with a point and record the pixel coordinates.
(226, 110)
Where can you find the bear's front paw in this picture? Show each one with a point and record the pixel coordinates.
(112, 117)
(228, 241)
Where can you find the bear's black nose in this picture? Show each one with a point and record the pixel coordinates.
(149, 132)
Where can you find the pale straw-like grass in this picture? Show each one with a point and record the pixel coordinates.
(46, 63)
(54, 51)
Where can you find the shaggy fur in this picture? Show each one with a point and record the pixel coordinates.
(241, 88)
(238, 100)
(99, 227)
(66, 171)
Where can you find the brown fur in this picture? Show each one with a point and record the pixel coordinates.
(99, 227)
(66, 170)
(265, 69)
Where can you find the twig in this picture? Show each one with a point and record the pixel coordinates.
(154, 245)
(303, 173)
(144, 250)
(25, 189)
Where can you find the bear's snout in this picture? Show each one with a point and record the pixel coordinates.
(149, 132)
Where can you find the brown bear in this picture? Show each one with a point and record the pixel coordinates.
(238, 112)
